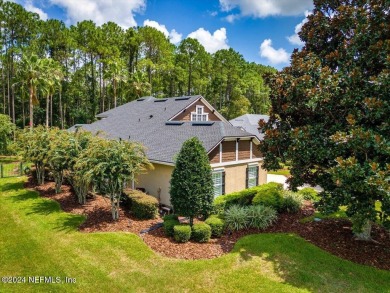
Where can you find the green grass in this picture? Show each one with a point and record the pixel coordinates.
(284, 172)
(38, 239)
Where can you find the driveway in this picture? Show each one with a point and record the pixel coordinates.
(282, 179)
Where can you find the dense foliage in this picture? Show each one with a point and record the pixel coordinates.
(216, 224)
(191, 183)
(331, 108)
(7, 128)
(182, 233)
(142, 205)
(66, 75)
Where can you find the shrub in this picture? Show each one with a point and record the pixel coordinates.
(292, 202)
(242, 198)
(309, 193)
(181, 233)
(169, 226)
(201, 232)
(260, 216)
(217, 225)
(170, 217)
(142, 205)
(269, 195)
(236, 217)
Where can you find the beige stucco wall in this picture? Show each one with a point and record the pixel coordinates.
(235, 177)
(156, 179)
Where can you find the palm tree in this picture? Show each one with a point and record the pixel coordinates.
(31, 68)
(52, 80)
(117, 72)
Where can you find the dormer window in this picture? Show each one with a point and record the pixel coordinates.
(199, 114)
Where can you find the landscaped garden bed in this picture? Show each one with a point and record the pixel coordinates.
(332, 235)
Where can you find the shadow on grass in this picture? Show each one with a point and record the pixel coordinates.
(69, 223)
(23, 196)
(46, 207)
(304, 265)
(11, 186)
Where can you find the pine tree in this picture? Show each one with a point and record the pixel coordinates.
(191, 183)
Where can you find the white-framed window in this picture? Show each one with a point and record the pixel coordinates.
(199, 114)
(252, 176)
(219, 182)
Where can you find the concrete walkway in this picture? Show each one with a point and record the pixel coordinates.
(282, 179)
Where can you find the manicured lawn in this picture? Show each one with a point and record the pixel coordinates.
(38, 239)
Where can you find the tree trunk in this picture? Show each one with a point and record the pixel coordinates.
(114, 86)
(47, 111)
(51, 110)
(31, 107)
(61, 114)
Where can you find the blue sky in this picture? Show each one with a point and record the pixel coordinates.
(263, 31)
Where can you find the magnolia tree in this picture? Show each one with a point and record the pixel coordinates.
(191, 183)
(111, 164)
(331, 108)
(33, 145)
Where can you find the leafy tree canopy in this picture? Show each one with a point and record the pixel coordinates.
(6, 130)
(330, 109)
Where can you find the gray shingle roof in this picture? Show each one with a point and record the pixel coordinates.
(250, 123)
(145, 120)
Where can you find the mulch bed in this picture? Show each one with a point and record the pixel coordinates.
(332, 235)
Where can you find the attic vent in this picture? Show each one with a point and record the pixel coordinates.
(140, 100)
(182, 98)
(160, 100)
(203, 123)
(174, 123)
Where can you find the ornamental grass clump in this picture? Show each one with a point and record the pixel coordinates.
(182, 233)
(260, 217)
(236, 218)
(292, 202)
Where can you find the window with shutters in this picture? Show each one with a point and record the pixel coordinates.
(252, 176)
(219, 182)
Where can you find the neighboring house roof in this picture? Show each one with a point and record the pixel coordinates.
(147, 120)
(250, 123)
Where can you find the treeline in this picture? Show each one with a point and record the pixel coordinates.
(66, 75)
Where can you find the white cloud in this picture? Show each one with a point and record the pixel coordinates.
(294, 39)
(29, 6)
(274, 56)
(173, 36)
(102, 11)
(211, 42)
(263, 8)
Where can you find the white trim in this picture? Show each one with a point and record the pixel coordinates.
(253, 164)
(220, 153)
(215, 165)
(162, 163)
(219, 169)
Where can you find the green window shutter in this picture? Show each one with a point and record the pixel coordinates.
(257, 175)
(223, 182)
(247, 178)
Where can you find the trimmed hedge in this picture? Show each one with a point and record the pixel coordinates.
(216, 224)
(142, 205)
(201, 232)
(169, 227)
(270, 195)
(181, 233)
(242, 198)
